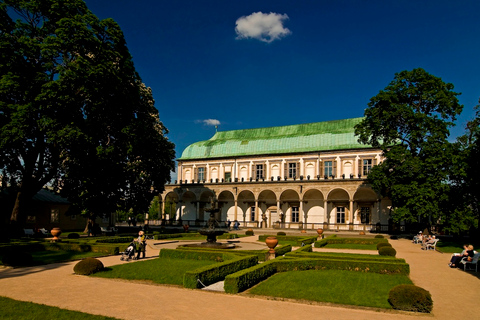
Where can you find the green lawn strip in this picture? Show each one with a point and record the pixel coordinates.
(351, 246)
(342, 287)
(161, 270)
(14, 309)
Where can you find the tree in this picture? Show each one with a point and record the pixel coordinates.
(74, 113)
(410, 120)
(154, 209)
(462, 206)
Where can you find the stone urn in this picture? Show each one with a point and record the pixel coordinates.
(56, 232)
(362, 233)
(271, 244)
(303, 231)
(320, 232)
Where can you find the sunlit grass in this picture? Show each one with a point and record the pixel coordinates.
(351, 246)
(14, 309)
(342, 287)
(161, 270)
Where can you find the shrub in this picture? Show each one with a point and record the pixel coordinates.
(379, 236)
(281, 233)
(88, 266)
(408, 297)
(17, 259)
(73, 235)
(249, 232)
(387, 251)
(383, 244)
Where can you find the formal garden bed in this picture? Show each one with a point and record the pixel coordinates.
(354, 279)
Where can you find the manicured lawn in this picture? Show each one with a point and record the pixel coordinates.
(342, 287)
(14, 309)
(351, 246)
(161, 270)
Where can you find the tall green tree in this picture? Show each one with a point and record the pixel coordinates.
(410, 120)
(74, 112)
(462, 205)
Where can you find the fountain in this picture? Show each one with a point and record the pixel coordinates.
(212, 230)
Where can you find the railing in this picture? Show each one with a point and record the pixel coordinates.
(384, 228)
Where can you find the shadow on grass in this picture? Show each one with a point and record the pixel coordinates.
(8, 272)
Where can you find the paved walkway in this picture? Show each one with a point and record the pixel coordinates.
(455, 293)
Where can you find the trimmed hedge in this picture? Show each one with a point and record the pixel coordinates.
(88, 266)
(336, 264)
(247, 278)
(262, 255)
(300, 241)
(409, 297)
(17, 259)
(379, 236)
(332, 240)
(217, 272)
(193, 254)
(387, 251)
(383, 244)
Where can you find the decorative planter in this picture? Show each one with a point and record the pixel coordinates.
(303, 231)
(56, 232)
(320, 232)
(362, 233)
(271, 243)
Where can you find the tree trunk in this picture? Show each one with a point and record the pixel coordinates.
(16, 216)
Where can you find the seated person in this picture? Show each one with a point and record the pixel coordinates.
(418, 238)
(467, 253)
(140, 244)
(431, 240)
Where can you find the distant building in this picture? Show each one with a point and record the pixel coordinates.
(298, 176)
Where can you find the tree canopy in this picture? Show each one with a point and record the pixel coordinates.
(74, 113)
(410, 120)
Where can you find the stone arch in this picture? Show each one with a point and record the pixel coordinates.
(314, 206)
(226, 203)
(267, 204)
(288, 200)
(170, 202)
(245, 201)
(205, 199)
(336, 200)
(364, 202)
(188, 206)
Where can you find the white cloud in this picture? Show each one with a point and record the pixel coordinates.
(209, 122)
(262, 26)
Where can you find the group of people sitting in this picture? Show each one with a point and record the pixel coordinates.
(427, 241)
(467, 254)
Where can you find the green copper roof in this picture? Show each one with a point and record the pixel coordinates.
(310, 137)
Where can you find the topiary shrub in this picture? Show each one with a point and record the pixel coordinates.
(17, 259)
(73, 235)
(88, 266)
(408, 297)
(379, 236)
(383, 244)
(281, 233)
(249, 232)
(387, 251)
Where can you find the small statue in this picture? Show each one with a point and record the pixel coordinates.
(212, 223)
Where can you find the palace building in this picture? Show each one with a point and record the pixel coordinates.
(304, 176)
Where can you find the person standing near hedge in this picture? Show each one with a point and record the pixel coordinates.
(140, 244)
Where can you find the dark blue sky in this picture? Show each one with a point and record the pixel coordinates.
(297, 62)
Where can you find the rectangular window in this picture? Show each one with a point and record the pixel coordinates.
(201, 174)
(252, 214)
(292, 170)
(365, 215)
(340, 214)
(54, 215)
(367, 166)
(228, 177)
(328, 168)
(259, 171)
(294, 214)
